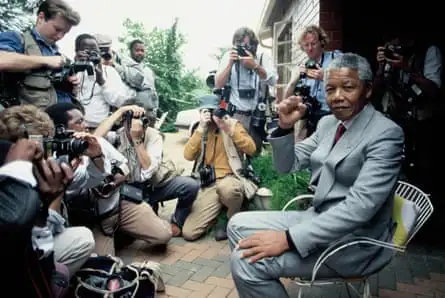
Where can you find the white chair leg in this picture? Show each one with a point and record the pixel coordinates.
(300, 292)
(366, 289)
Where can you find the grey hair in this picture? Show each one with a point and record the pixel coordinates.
(353, 61)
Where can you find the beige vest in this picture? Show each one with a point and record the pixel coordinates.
(235, 163)
(36, 88)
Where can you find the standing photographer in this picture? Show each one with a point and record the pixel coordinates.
(408, 90)
(245, 75)
(103, 89)
(313, 41)
(29, 59)
(216, 146)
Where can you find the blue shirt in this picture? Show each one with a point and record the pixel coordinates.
(317, 87)
(11, 42)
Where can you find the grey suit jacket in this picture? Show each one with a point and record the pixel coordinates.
(355, 187)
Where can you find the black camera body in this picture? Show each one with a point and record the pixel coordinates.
(64, 145)
(391, 49)
(207, 175)
(106, 187)
(129, 116)
(223, 93)
(304, 91)
(71, 68)
(105, 54)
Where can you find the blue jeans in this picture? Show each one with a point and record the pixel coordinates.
(181, 187)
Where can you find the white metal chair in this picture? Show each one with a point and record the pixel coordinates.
(406, 191)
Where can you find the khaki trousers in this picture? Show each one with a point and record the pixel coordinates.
(227, 191)
(137, 220)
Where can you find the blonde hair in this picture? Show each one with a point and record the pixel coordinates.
(314, 29)
(16, 121)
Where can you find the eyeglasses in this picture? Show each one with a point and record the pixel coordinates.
(311, 44)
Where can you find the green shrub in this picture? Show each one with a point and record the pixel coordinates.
(168, 127)
(283, 186)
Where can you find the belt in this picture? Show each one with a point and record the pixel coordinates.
(234, 110)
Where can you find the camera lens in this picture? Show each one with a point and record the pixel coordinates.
(78, 147)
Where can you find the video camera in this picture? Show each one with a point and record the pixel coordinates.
(304, 91)
(71, 68)
(63, 145)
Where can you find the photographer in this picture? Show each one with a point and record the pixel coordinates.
(159, 180)
(28, 60)
(102, 89)
(72, 245)
(312, 41)
(245, 76)
(408, 90)
(23, 191)
(216, 146)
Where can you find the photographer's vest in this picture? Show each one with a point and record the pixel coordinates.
(36, 87)
(235, 163)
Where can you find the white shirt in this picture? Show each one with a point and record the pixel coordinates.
(97, 99)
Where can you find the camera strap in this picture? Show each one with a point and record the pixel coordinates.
(237, 69)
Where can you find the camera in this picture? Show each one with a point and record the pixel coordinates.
(304, 91)
(105, 188)
(129, 116)
(105, 54)
(391, 49)
(207, 175)
(64, 145)
(71, 68)
(248, 173)
(242, 50)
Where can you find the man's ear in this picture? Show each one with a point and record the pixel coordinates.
(368, 89)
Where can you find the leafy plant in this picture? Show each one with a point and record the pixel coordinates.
(283, 186)
(16, 15)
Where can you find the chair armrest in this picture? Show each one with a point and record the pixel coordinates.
(296, 199)
(336, 247)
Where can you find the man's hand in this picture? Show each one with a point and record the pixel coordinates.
(233, 57)
(316, 74)
(137, 129)
(290, 110)
(137, 110)
(81, 56)
(223, 124)
(248, 62)
(94, 148)
(53, 62)
(380, 55)
(24, 149)
(205, 118)
(398, 62)
(52, 179)
(263, 244)
(99, 74)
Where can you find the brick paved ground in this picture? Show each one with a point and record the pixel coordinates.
(201, 269)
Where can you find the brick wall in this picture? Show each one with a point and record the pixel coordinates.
(332, 22)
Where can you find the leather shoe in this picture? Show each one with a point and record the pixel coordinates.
(221, 233)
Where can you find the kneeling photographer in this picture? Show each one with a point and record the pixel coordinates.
(217, 147)
(408, 90)
(151, 179)
(71, 245)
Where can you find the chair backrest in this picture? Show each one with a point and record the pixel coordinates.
(421, 200)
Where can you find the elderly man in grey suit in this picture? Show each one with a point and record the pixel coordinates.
(355, 157)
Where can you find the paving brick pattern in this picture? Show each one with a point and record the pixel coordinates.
(201, 269)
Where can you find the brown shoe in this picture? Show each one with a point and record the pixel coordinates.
(176, 230)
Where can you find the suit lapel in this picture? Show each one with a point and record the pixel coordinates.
(350, 139)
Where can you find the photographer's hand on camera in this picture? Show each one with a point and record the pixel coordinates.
(316, 74)
(26, 150)
(137, 111)
(52, 178)
(233, 57)
(223, 124)
(249, 61)
(204, 120)
(99, 74)
(54, 62)
(290, 110)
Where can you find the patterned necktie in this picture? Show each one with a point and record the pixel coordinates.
(340, 131)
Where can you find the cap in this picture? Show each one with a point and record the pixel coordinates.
(209, 102)
(104, 41)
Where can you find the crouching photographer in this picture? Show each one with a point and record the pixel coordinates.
(217, 147)
(151, 179)
(71, 246)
